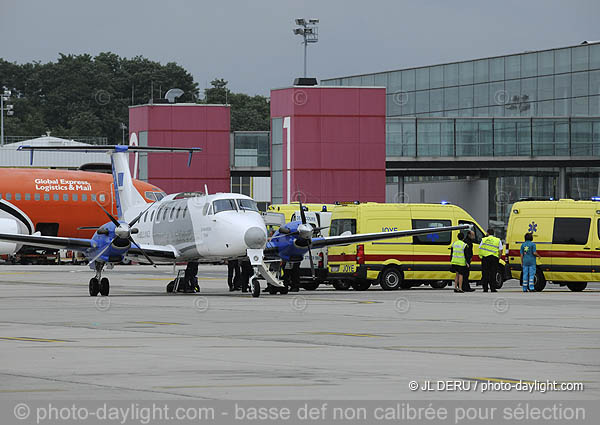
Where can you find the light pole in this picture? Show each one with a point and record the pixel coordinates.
(123, 128)
(309, 31)
(9, 112)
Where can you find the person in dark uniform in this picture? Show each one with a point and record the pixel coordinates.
(233, 275)
(246, 274)
(190, 280)
(469, 239)
(291, 276)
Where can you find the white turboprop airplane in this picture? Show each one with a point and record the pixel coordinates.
(188, 227)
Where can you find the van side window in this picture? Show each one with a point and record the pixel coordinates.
(571, 231)
(478, 232)
(432, 238)
(341, 225)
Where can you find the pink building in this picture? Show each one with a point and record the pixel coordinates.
(328, 144)
(182, 125)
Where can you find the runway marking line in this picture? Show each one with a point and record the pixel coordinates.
(449, 347)
(35, 390)
(149, 322)
(237, 386)
(346, 334)
(23, 338)
(513, 381)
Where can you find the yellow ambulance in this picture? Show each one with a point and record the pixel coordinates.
(566, 234)
(403, 262)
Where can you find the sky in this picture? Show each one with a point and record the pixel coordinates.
(251, 43)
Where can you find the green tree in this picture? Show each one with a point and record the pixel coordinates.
(248, 113)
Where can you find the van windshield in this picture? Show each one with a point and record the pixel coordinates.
(221, 205)
(341, 225)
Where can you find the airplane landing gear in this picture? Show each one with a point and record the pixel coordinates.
(98, 284)
(94, 287)
(255, 287)
(104, 287)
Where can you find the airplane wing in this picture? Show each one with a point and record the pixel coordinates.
(368, 237)
(50, 241)
(153, 251)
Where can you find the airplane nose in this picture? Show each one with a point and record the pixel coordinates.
(255, 238)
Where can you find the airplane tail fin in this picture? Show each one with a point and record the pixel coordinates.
(126, 195)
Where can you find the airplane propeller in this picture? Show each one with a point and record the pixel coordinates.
(305, 233)
(123, 232)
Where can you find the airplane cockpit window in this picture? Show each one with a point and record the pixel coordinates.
(247, 205)
(150, 195)
(159, 195)
(221, 205)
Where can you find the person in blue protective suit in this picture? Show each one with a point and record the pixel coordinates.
(528, 255)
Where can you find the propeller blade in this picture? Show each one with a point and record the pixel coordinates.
(114, 220)
(142, 251)
(302, 215)
(101, 252)
(135, 220)
(312, 264)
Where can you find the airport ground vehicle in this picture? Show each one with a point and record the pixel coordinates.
(317, 215)
(567, 235)
(404, 262)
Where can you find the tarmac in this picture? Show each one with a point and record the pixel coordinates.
(57, 342)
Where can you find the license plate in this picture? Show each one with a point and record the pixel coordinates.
(345, 268)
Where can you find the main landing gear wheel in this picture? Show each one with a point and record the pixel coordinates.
(104, 287)
(255, 288)
(94, 287)
(170, 286)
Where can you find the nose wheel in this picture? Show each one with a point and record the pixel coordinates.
(98, 284)
(94, 287)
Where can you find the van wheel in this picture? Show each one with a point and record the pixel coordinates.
(361, 285)
(440, 284)
(576, 286)
(539, 282)
(310, 286)
(391, 279)
(341, 285)
(499, 277)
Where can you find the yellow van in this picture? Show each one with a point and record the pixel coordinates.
(403, 262)
(287, 210)
(566, 233)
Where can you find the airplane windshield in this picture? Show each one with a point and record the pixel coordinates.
(247, 205)
(221, 205)
(159, 195)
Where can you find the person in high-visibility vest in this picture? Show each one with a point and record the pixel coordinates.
(490, 250)
(458, 262)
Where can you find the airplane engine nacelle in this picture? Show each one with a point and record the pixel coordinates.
(8, 225)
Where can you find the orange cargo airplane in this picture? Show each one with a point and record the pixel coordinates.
(59, 202)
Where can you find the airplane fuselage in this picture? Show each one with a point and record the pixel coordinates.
(202, 227)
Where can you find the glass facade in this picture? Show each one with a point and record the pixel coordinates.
(558, 82)
(532, 104)
(251, 149)
(496, 137)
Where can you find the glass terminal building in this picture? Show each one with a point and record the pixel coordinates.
(490, 131)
